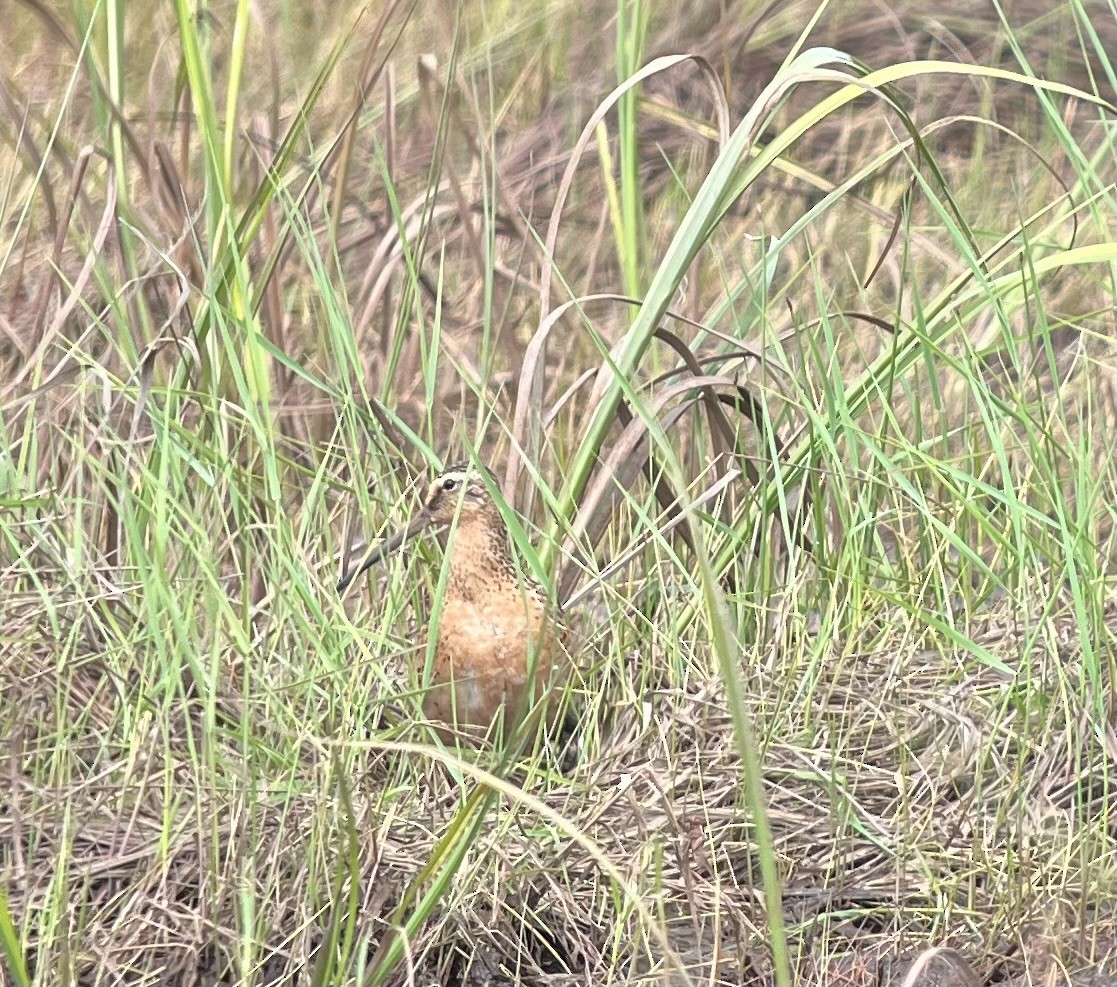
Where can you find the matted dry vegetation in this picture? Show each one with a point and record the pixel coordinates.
(855, 502)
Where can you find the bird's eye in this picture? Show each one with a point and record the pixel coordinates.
(449, 483)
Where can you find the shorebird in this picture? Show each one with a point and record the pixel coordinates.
(497, 649)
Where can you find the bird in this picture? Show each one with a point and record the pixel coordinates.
(498, 647)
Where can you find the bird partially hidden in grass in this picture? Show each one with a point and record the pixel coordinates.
(498, 650)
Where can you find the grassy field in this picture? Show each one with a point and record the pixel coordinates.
(790, 332)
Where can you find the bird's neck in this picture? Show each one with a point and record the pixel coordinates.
(481, 560)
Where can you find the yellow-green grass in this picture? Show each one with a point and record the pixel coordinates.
(790, 333)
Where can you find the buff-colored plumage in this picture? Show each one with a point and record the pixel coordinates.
(497, 646)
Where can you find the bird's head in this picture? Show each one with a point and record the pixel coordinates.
(460, 484)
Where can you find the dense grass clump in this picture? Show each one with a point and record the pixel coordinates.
(789, 331)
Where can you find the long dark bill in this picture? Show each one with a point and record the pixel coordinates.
(419, 523)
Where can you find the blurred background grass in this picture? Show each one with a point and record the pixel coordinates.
(834, 505)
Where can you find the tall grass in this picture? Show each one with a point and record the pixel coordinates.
(808, 427)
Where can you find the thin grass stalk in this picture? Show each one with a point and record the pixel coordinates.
(237, 52)
(114, 30)
(632, 23)
(10, 943)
